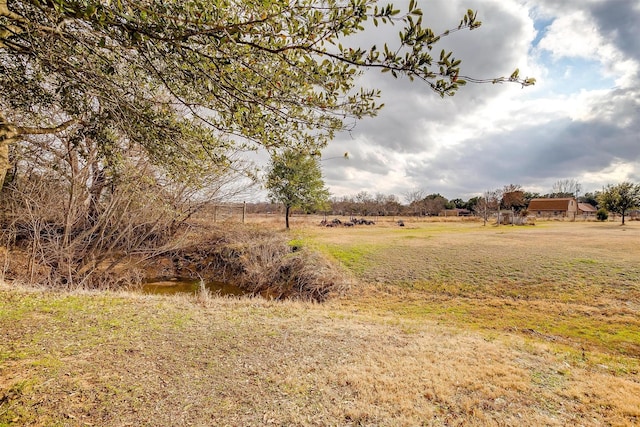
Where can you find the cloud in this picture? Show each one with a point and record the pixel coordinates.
(581, 120)
(618, 22)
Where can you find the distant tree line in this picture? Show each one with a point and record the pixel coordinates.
(417, 202)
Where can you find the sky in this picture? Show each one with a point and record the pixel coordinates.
(581, 120)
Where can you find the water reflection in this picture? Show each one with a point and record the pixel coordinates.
(164, 286)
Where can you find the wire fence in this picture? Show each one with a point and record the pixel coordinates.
(221, 212)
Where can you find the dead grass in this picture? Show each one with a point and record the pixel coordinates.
(450, 324)
(96, 359)
(579, 282)
(260, 261)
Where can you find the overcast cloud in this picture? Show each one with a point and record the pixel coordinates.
(581, 120)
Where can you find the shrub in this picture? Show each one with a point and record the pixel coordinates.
(261, 262)
(602, 214)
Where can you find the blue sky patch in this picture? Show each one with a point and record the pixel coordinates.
(570, 75)
(541, 26)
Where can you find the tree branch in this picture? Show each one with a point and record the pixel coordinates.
(9, 133)
(4, 11)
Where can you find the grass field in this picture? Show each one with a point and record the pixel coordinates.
(576, 283)
(445, 323)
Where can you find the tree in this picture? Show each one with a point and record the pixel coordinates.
(79, 218)
(365, 203)
(620, 198)
(457, 204)
(415, 199)
(528, 196)
(172, 90)
(414, 195)
(295, 180)
(472, 203)
(566, 188)
(434, 204)
(602, 214)
(590, 198)
(187, 80)
(513, 197)
(392, 205)
(487, 203)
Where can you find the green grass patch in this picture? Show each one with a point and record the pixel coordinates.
(297, 243)
(548, 320)
(355, 257)
(565, 282)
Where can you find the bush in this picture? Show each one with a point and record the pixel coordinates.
(261, 262)
(62, 238)
(602, 214)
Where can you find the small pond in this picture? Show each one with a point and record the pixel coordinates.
(176, 285)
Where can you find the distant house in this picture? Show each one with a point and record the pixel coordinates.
(455, 212)
(586, 209)
(561, 207)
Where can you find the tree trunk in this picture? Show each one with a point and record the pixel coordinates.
(4, 162)
(10, 134)
(286, 216)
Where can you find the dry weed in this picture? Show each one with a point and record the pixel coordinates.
(125, 360)
(262, 262)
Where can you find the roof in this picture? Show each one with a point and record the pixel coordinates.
(586, 207)
(560, 204)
